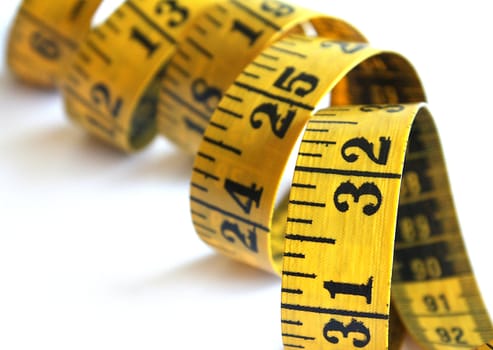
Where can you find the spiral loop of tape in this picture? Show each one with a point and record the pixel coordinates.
(367, 242)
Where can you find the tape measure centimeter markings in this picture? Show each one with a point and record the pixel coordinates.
(239, 164)
(222, 41)
(339, 217)
(433, 285)
(43, 37)
(356, 184)
(111, 86)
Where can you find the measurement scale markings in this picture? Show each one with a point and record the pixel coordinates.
(264, 66)
(314, 239)
(111, 25)
(97, 124)
(150, 22)
(330, 311)
(218, 126)
(347, 172)
(311, 155)
(199, 187)
(255, 15)
(309, 204)
(221, 8)
(318, 130)
(212, 207)
(293, 323)
(32, 18)
(100, 53)
(84, 102)
(304, 337)
(299, 274)
(332, 122)
(171, 80)
(86, 58)
(258, 91)
(199, 48)
(99, 34)
(76, 10)
(287, 43)
(199, 215)
(191, 125)
(206, 174)
(233, 97)
(199, 29)
(217, 23)
(294, 346)
(179, 68)
(206, 156)
(229, 112)
(319, 142)
(300, 221)
(185, 104)
(73, 80)
(288, 52)
(80, 71)
(307, 186)
(204, 227)
(222, 145)
(183, 54)
(250, 75)
(292, 291)
(119, 13)
(294, 255)
(270, 57)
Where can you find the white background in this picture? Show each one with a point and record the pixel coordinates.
(97, 250)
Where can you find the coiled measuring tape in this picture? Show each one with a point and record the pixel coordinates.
(365, 174)
(44, 36)
(205, 64)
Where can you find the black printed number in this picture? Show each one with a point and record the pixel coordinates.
(454, 335)
(140, 37)
(368, 148)
(288, 82)
(232, 233)
(436, 303)
(208, 96)
(180, 13)
(279, 123)
(353, 327)
(101, 95)
(277, 8)
(244, 196)
(247, 31)
(45, 46)
(363, 290)
(367, 189)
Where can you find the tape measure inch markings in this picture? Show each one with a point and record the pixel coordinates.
(241, 159)
(111, 87)
(216, 49)
(369, 206)
(43, 37)
(345, 215)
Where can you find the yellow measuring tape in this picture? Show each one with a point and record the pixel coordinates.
(369, 220)
(44, 36)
